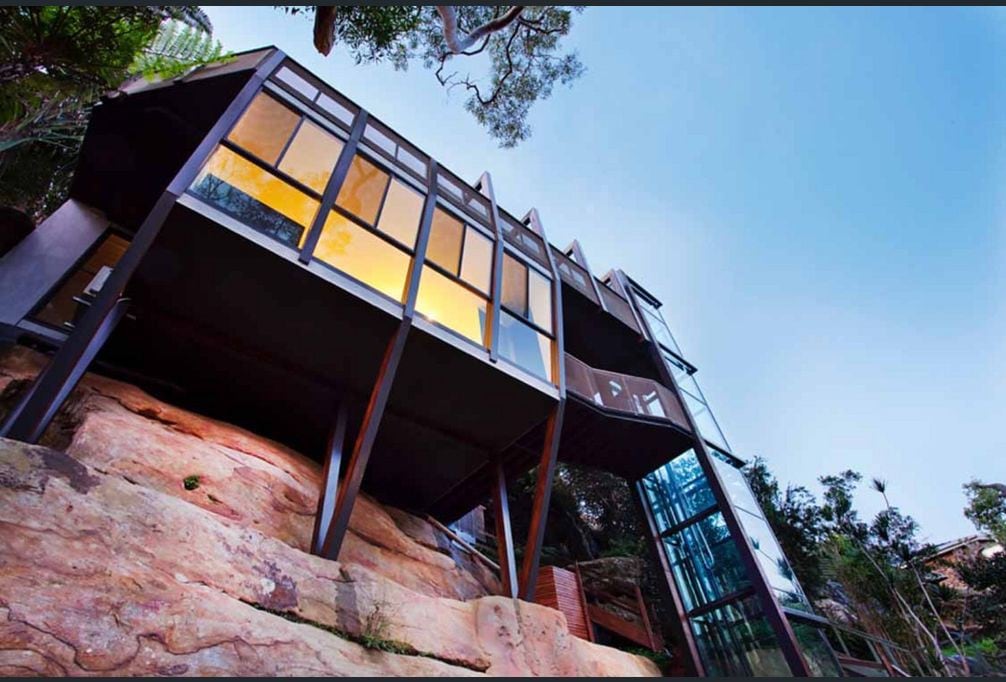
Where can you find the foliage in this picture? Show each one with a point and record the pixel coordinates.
(986, 598)
(797, 522)
(191, 482)
(987, 508)
(56, 61)
(519, 56)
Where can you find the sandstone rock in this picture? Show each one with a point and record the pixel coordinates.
(108, 565)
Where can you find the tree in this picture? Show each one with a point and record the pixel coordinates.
(516, 48)
(55, 62)
(987, 507)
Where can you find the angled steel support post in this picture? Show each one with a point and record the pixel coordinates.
(553, 430)
(762, 589)
(51, 387)
(542, 497)
(330, 478)
(581, 259)
(504, 534)
(349, 488)
(485, 185)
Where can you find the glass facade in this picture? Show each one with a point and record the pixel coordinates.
(737, 640)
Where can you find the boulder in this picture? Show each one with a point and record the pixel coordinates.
(110, 564)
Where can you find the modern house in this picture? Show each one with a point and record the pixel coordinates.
(249, 243)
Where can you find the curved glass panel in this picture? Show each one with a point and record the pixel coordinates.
(363, 256)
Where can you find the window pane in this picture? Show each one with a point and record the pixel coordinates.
(256, 197)
(61, 307)
(736, 640)
(525, 347)
(706, 562)
(815, 650)
(678, 491)
(363, 256)
(401, 213)
(540, 299)
(477, 261)
(446, 302)
(514, 285)
(311, 156)
(264, 128)
(296, 82)
(444, 248)
(363, 189)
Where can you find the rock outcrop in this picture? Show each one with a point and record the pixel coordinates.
(149, 541)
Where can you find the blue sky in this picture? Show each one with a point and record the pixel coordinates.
(816, 195)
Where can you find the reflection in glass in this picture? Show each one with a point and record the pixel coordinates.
(736, 640)
(256, 197)
(311, 156)
(704, 420)
(540, 299)
(403, 207)
(705, 561)
(514, 285)
(525, 347)
(446, 302)
(264, 128)
(444, 248)
(678, 491)
(815, 650)
(363, 189)
(363, 256)
(477, 260)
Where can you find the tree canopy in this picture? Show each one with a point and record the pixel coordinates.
(504, 58)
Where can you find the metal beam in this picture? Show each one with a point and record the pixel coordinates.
(335, 182)
(485, 185)
(73, 357)
(542, 497)
(770, 605)
(330, 479)
(504, 534)
(581, 259)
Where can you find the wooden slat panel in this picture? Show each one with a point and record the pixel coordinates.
(559, 589)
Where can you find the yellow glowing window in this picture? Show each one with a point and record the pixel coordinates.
(256, 196)
(363, 256)
(514, 285)
(540, 299)
(444, 248)
(311, 156)
(400, 216)
(477, 261)
(446, 302)
(363, 190)
(264, 128)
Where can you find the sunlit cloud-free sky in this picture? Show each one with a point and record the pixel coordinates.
(818, 196)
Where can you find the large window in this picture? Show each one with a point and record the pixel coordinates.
(736, 640)
(678, 491)
(456, 277)
(706, 562)
(270, 171)
(62, 309)
(525, 336)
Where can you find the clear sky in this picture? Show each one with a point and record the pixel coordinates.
(816, 195)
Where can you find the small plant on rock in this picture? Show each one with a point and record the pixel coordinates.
(191, 482)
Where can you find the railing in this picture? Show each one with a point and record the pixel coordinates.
(623, 393)
(618, 306)
(574, 275)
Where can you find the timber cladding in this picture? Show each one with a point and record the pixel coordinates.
(559, 589)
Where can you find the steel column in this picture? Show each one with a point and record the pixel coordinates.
(330, 479)
(485, 185)
(73, 357)
(581, 258)
(542, 496)
(350, 486)
(504, 534)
